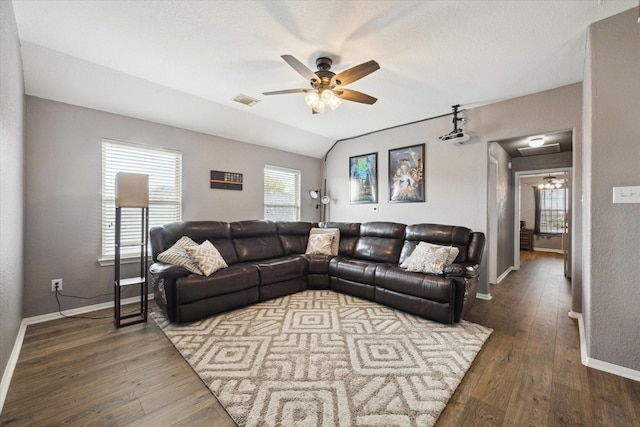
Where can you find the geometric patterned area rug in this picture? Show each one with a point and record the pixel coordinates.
(321, 358)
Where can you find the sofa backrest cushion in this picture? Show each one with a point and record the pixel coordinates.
(256, 240)
(217, 232)
(476, 247)
(349, 234)
(445, 235)
(294, 235)
(380, 242)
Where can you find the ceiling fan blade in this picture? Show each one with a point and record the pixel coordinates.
(282, 92)
(356, 73)
(355, 96)
(302, 69)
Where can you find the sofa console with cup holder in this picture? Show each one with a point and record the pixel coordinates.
(201, 268)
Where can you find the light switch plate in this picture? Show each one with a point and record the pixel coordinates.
(626, 194)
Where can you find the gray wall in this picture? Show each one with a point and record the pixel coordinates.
(612, 158)
(549, 111)
(504, 209)
(454, 195)
(456, 175)
(63, 182)
(11, 182)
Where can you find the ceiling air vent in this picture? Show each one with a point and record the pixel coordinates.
(536, 151)
(246, 100)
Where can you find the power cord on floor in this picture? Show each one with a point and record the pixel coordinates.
(60, 294)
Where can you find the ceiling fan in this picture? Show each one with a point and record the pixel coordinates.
(551, 182)
(326, 86)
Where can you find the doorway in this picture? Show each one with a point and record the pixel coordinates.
(548, 221)
(508, 160)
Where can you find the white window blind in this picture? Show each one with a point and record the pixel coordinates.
(164, 168)
(281, 194)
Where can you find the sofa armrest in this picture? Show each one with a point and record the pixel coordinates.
(464, 269)
(165, 271)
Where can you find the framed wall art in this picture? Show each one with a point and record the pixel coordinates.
(406, 174)
(363, 178)
(226, 180)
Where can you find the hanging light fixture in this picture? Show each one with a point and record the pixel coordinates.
(550, 183)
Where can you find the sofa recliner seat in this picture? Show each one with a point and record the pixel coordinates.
(379, 243)
(267, 260)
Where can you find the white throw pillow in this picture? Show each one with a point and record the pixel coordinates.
(428, 259)
(208, 258)
(177, 255)
(452, 253)
(319, 244)
(335, 232)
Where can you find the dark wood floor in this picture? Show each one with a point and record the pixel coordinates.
(85, 372)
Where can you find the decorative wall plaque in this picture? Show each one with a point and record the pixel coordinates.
(226, 180)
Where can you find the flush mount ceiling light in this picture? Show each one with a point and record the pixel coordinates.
(536, 142)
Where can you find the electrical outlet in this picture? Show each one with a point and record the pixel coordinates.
(56, 285)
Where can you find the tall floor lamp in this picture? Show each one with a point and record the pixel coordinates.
(324, 201)
(132, 191)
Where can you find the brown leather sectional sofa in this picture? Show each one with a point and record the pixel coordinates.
(267, 260)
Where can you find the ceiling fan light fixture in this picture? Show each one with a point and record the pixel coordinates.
(551, 183)
(536, 142)
(334, 102)
(318, 107)
(312, 99)
(326, 95)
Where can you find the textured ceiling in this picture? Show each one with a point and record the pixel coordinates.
(182, 62)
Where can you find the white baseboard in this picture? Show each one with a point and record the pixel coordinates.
(11, 364)
(505, 274)
(555, 251)
(486, 297)
(15, 353)
(75, 311)
(600, 365)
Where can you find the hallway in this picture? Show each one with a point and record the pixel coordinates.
(529, 372)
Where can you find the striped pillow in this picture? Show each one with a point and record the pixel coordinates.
(208, 258)
(177, 255)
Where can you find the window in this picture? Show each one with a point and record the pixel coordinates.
(281, 194)
(164, 168)
(550, 210)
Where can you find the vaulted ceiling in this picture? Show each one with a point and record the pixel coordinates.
(183, 62)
